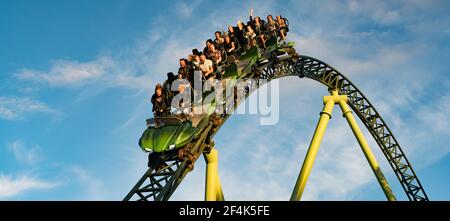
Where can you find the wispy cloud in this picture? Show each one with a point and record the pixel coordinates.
(185, 9)
(378, 11)
(93, 188)
(65, 72)
(105, 71)
(15, 108)
(25, 153)
(11, 187)
(436, 114)
(135, 67)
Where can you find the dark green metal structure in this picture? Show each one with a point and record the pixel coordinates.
(160, 183)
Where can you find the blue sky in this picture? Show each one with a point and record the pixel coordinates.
(76, 77)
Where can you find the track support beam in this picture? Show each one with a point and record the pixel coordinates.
(347, 114)
(213, 189)
(325, 116)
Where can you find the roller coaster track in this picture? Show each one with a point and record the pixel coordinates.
(159, 184)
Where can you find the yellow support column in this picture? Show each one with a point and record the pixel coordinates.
(212, 185)
(219, 195)
(325, 116)
(365, 148)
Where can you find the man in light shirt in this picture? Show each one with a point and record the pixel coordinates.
(206, 66)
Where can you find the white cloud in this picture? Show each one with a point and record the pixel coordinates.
(378, 11)
(104, 71)
(384, 16)
(426, 132)
(380, 59)
(64, 72)
(11, 187)
(142, 109)
(137, 67)
(25, 153)
(185, 10)
(14, 108)
(437, 115)
(93, 188)
(130, 67)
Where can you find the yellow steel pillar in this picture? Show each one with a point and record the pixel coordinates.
(365, 148)
(213, 189)
(325, 116)
(219, 193)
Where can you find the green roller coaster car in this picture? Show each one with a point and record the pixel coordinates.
(169, 133)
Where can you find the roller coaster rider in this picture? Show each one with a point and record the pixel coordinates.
(217, 54)
(161, 103)
(258, 26)
(168, 83)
